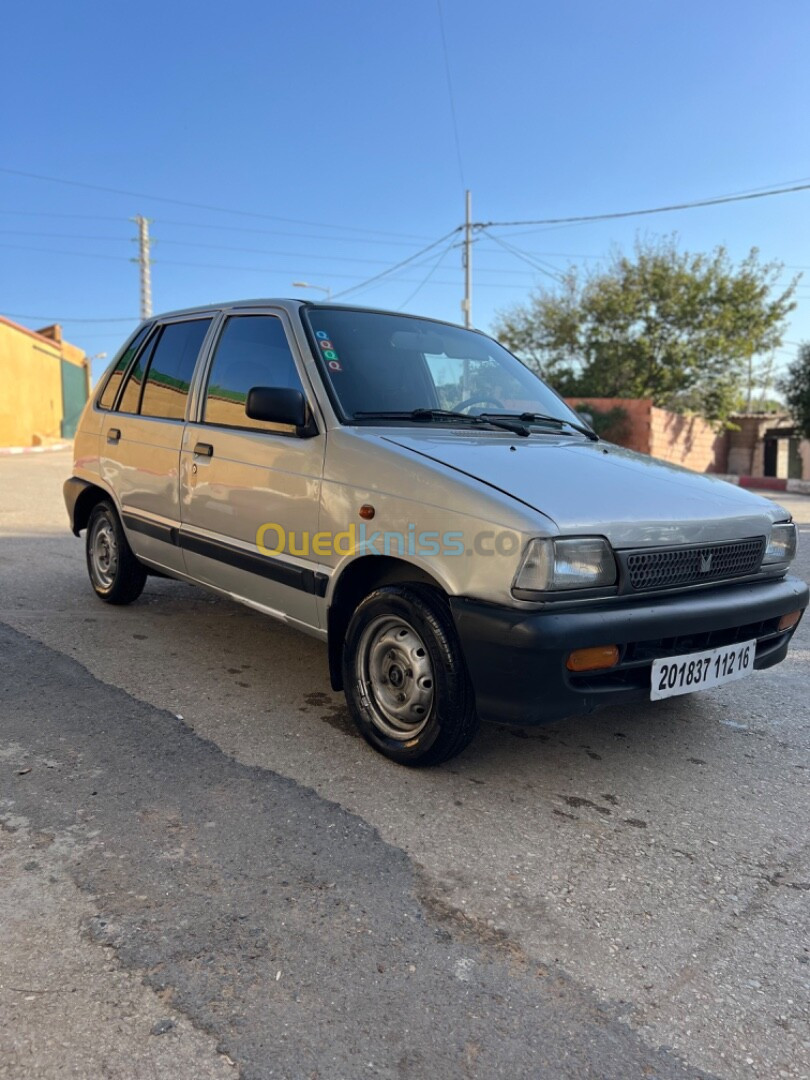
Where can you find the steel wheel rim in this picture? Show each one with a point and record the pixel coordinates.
(103, 549)
(396, 677)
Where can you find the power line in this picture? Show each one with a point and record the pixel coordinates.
(62, 236)
(553, 274)
(427, 276)
(397, 266)
(512, 249)
(548, 254)
(64, 319)
(264, 251)
(75, 254)
(210, 266)
(197, 206)
(196, 244)
(48, 213)
(716, 201)
(450, 92)
(251, 230)
(214, 247)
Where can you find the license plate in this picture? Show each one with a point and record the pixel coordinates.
(699, 671)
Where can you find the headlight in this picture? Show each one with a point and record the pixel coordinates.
(782, 544)
(579, 563)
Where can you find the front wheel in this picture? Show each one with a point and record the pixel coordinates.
(115, 573)
(405, 679)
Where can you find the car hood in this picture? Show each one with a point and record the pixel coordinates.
(598, 488)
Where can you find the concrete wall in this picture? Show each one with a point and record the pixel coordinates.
(31, 383)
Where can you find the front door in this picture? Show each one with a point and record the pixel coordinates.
(250, 490)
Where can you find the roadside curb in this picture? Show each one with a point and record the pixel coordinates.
(768, 483)
(7, 451)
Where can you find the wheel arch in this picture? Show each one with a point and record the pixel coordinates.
(81, 496)
(357, 580)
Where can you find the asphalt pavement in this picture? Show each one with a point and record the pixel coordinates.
(205, 872)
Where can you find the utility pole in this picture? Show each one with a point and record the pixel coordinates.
(145, 265)
(466, 303)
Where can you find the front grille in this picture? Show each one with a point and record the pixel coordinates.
(669, 567)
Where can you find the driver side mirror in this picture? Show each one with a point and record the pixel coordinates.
(281, 405)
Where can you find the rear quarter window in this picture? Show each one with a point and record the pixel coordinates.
(108, 394)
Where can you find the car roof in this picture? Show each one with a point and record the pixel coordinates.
(292, 306)
(232, 305)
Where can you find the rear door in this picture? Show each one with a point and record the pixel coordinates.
(142, 436)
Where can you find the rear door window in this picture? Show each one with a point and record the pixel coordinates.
(165, 391)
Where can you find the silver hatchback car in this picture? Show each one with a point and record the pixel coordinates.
(409, 492)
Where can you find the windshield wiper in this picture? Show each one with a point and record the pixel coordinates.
(541, 418)
(514, 424)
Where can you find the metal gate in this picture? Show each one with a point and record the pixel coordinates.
(74, 396)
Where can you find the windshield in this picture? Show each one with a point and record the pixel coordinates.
(378, 363)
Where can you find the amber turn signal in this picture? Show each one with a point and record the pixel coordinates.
(601, 656)
(789, 620)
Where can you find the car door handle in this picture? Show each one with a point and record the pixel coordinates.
(204, 449)
(113, 434)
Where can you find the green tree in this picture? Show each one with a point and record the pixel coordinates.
(680, 328)
(796, 388)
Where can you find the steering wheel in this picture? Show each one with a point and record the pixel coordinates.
(477, 401)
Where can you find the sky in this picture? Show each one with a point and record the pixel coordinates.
(272, 143)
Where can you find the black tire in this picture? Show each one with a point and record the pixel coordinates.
(402, 655)
(115, 574)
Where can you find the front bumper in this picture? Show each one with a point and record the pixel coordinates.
(516, 659)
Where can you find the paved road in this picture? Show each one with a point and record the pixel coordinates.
(249, 890)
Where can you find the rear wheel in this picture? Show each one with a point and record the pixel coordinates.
(115, 573)
(405, 679)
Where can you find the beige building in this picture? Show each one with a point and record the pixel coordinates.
(767, 445)
(44, 383)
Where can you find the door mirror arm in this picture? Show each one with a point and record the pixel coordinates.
(309, 429)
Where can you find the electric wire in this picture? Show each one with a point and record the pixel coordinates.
(718, 200)
(450, 93)
(397, 266)
(553, 273)
(428, 275)
(64, 319)
(199, 206)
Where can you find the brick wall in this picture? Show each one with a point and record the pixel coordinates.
(683, 440)
(687, 440)
(637, 436)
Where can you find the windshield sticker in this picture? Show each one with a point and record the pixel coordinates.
(328, 351)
